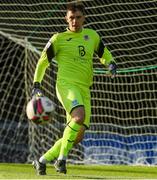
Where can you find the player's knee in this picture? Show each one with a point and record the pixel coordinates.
(78, 114)
(79, 119)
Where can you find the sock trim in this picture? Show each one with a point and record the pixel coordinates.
(42, 160)
(72, 128)
(70, 140)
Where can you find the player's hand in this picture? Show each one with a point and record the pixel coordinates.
(112, 69)
(36, 91)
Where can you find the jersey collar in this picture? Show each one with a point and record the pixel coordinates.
(74, 32)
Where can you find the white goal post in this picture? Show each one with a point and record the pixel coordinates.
(124, 110)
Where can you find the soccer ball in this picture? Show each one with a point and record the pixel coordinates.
(40, 109)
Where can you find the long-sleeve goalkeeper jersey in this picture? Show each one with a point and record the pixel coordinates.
(74, 55)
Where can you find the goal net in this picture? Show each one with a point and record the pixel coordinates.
(123, 126)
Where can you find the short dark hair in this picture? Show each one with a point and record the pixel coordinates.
(76, 6)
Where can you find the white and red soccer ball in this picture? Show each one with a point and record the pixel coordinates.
(40, 109)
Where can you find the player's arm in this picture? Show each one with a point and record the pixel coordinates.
(43, 63)
(106, 57)
(104, 54)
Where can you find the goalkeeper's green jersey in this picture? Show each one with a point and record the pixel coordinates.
(73, 52)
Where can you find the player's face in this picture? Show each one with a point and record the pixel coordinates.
(75, 20)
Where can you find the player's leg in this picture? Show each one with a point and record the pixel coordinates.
(76, 114)
(69, 136)
(79, 119)
(53, 153)
(71, 131)
(71, 99)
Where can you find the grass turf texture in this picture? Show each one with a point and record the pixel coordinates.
(26, 171)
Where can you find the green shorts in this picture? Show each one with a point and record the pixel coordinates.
(72, 96)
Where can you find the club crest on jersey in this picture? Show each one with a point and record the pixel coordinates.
(86, 37)
(75, 103)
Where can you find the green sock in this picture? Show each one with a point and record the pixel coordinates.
(53, 152)
(69, 136)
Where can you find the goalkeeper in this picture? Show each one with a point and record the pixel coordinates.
(73, 50)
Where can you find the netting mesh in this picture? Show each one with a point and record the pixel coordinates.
(13, 127)
(123, 121)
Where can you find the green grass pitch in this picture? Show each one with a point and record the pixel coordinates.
(26, 171)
